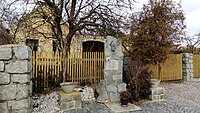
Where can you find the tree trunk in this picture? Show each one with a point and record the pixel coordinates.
(64, 63)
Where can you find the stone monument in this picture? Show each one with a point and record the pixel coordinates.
(109, 89)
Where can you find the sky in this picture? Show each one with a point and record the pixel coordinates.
(191, 10)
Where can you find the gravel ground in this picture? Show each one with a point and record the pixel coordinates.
(182, 97)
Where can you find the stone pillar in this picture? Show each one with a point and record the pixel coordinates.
(187, 66)
(15, 83)
(110, 88)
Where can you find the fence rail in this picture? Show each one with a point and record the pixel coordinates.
(80, 66)
(171, 69)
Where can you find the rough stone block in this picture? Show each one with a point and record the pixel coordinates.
(185, 66)
(111, 64)
(4, 78)
(184, 60)
(18, 67)
(162, 96)
(30, 103)
(1, 66)
(114, 96)
(103, 96)
(21, 111)
(5, 53)
(191, 56)
(63, 106)
(20, 104)
(22, 52)
(154, 92)
(111, 88)
(3, 107)
(78, 104)
(191, 67)
(162, 91)
(157, 91)
(8, 92)
(112, 45)
(30, 89)
(22, 91)
(20, 78)
(67, 97)
(185, 55)
(117, 78)
(157, 97)
(154, 97)
(121, 87)
(71, 105)
(190, 61)
(68, 105)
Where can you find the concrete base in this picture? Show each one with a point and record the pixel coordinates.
(117, 108)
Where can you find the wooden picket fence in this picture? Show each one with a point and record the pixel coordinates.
(80, 67)
(196, 66)
(171, 69)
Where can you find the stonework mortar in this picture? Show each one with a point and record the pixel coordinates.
(15, 83)
(110, 88)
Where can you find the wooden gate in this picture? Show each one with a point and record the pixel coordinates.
(170, 70)
(81, 66)
(196, 66)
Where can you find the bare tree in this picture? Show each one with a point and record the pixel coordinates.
(93, 17)
(11, 12)
(99, 17)
(192, 41)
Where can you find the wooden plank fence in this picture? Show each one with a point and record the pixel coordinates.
(81, 66)
(171, 69)
(196, 66)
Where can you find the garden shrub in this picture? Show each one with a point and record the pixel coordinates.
(137, 77)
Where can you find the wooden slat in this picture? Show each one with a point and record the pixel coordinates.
(196, 66)
(80, 66)
(170, 70)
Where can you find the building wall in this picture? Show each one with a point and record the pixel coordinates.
(34, 26)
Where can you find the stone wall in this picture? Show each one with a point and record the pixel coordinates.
(187, 66)
(15, 83)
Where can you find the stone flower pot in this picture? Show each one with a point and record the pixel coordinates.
(68, 87)
(155, 82)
